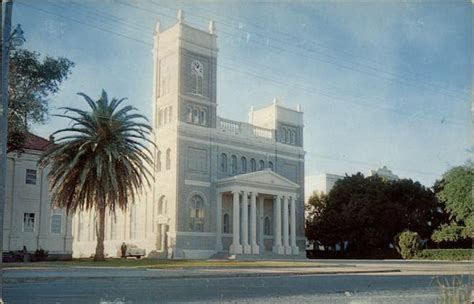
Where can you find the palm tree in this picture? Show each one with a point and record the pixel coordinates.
(101, 161)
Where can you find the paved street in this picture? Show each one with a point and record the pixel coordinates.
(279, 289)
(344, 282)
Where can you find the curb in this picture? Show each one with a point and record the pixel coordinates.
(201, 276)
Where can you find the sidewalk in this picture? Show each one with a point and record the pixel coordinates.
(349, 267)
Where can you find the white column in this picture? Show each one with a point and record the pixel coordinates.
(235, 248)
(277, 247)
(286, 228)
(261, 222)
(245, 223)
(253, 223)
(294, 248)
(219, 222)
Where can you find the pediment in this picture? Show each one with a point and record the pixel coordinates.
(262, 178)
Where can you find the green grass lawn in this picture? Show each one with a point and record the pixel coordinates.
(154, 263)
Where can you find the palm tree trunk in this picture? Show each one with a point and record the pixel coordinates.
(99, 249)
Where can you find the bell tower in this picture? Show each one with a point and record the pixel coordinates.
(184, 105)
(185, 65)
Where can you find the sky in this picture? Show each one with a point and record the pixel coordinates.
(380, 83)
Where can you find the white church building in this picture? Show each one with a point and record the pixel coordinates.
(221, 186)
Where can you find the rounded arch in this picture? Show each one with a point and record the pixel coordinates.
(196, 213)
(168, 159)
(223, 162)
(253, 165)
(243, 164)
(162, 207)
(233, 164)
(261, 165)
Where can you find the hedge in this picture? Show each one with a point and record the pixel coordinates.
(446, 254)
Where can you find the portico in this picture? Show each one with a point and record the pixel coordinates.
(248, 192)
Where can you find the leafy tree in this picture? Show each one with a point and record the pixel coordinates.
(368, 212)
(102, 160)
(31, 82)
(408, 244)
(455, 193)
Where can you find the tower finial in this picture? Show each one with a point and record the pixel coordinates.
(180, 16)
(212, 27)
(298, 108)
(275, 101)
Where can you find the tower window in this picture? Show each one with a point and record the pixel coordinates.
(270, 165)
(158, 161)
(162, 205)
(261, 165)
(196, 116)
(168, 159)
(202, 117)
(189, 114)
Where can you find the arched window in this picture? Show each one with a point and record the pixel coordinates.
(292, 136)
(223, 162)
(162, 205)
(267, 229)
(270, 165)
(226, 222)
(243, 164)
(261, 165)
(196, 222)
(253, 165)
(233, 164)
(283, 134)
(197, 69)
(189, 114)
(170, 114)
(158, 161)
(196, 116)
(168, 159)
(202, 117)
(287, 135)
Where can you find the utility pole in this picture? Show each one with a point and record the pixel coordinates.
(6, 16)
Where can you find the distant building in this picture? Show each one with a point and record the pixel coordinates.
(384, 172)
(29, 219)
(325, 182)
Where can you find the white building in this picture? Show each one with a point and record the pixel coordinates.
(29, 219)
(323, 183)
(221, 186)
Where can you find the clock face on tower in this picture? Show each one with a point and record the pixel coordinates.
(197, 68)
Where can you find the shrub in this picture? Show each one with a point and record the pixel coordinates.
(408, 244)
(446, 254)
(40, 255)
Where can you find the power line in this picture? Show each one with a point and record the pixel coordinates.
(312, 91)
(294, 42)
